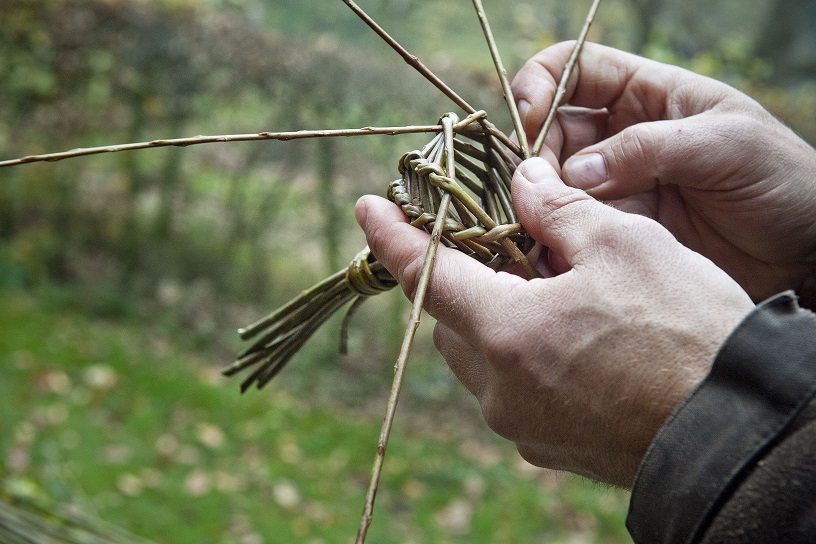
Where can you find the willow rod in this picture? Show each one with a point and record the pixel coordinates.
(505, 83)
(426, 72)
(195, 140)
(412, 60)
(408, 339)
(565, 77)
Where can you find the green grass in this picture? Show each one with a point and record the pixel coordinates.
(120, 420)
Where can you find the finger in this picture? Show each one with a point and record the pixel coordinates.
(599, 80)
(464, 360)
(540, 257)
(632, 88)
(565, 219)
(458, 283)
(581, 128)
(691, 152)
(575, 128)
(551, 151)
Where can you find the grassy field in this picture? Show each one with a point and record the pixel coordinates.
(125, 424)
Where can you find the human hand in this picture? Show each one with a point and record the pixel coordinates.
(579, 369)
(707, 162)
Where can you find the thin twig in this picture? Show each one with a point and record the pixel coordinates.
(194, 140)
(565, 77)
(505, 83)
(412, 60)
(501, 137)
(426, 72)
(408, 339)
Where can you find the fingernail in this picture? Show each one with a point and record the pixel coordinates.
(523, 109)
(586, 171)
(361, 212)
(537, 170)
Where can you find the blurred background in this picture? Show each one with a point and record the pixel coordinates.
(123, 277)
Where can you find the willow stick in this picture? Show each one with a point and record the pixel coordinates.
(408, 339)
(412, 60)
(426, 72)
(505, 83)
(565, 77)
(195, 140)
(501, 137)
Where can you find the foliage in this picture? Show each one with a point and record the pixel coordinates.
(84, 72)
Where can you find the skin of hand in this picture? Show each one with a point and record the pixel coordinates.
(710, 164)
(579, 368)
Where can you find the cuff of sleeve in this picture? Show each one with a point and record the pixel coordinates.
(761, 379)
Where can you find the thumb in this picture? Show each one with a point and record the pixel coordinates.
(565, 219)
(686, 152)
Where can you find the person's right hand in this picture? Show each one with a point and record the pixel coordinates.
(579, 369)
(709, 163)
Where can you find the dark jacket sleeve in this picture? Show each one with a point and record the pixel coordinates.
(736, 461)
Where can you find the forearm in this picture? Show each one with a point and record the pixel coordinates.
(749, 422)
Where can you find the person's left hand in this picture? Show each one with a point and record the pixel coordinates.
(579, 369)
(707, 162)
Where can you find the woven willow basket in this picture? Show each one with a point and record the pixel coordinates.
(480, 222)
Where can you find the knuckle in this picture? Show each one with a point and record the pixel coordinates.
(636, 146)
(562, 207)
(622, 234)
(632, 239)
(501, 349)
(739, 131)
(408, 270)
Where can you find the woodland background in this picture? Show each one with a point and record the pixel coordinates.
(123, 276)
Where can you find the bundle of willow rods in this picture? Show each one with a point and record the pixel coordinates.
(24, 520)
(481, 223)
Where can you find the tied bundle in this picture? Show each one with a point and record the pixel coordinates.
(479, 222)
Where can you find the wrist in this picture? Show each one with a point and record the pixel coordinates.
(762, 379)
